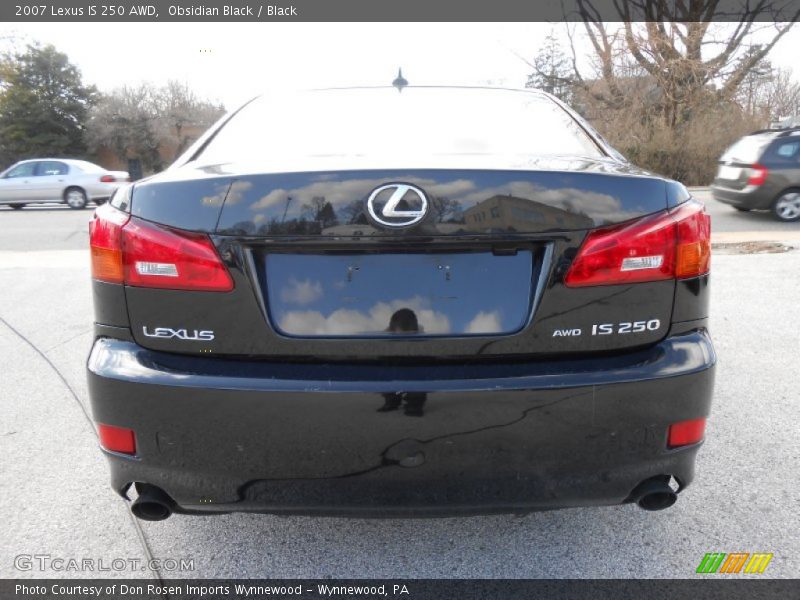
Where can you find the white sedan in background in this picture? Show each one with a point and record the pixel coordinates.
(60, 180)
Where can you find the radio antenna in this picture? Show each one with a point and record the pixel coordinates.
(400, 82)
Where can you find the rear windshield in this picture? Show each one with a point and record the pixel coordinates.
(387, 124)
(747, 150)
(88, 167)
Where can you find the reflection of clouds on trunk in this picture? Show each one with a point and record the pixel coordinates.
(301, 292)
(374, 321)
(484, 322)
(377, 320)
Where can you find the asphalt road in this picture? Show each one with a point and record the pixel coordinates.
(57, 501)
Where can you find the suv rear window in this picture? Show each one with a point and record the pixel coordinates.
(417, 123)
(747, 150)
(787, 149)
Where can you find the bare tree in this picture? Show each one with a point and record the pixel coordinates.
(782, 95)
(352, 211)
(182, 114)
(145, 121)
(321, 211)
(680, 47)
(770, 94)
(665, 84)
(444, 208)
(125, 122)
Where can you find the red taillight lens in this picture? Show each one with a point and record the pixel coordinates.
(107, 179)
(657, 247)
(758, 175)
(105, 242)
(117, 439)
(686, 433)
(156, 256)
(139, 253)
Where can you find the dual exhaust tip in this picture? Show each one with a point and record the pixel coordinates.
(154, 504)
(654, 494)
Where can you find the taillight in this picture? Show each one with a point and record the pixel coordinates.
(117, 439)
(139, 253)
(667, 245)
(107, 179)
(105, 242)
(160, 257)
(686, 433)
(758, 175)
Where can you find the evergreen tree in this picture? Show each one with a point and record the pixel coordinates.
(552, 70)
(43, 105)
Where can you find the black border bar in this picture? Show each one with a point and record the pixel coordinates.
(712, 587)
(105, 11)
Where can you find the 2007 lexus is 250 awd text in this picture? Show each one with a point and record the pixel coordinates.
(400, 301)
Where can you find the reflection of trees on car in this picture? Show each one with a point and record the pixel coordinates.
(445, 208)
(321, 211)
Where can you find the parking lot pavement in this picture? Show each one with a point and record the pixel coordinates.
(46, 227)
(731, 225)
(57, 501)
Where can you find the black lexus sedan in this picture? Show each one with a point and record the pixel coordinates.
(411, 301)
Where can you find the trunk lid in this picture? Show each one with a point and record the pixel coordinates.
(481, 275)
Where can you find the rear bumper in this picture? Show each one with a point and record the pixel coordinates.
(376, 440)
(759, 198)
(102, 191)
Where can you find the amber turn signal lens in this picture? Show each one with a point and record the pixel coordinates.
(107, 264)
(693, 259)
(105, 235)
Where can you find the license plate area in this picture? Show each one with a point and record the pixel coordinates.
(729, 173)
(386, 295)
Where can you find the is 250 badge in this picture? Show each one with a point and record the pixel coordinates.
(625, 327)
(622, 328)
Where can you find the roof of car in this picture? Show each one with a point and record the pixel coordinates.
(66, 160)
(789, 131)
(432, 87)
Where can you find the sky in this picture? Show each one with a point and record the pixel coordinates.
(231, 62)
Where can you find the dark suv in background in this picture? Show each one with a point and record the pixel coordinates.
(762, 172)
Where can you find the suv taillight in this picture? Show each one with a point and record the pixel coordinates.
(667, 245)
(136, 252)
(758, 175)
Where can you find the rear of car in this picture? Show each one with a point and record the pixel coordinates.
(364, 302)
(762, 172)
(58, 180)
(98, 183)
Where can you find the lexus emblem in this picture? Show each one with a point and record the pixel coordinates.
(397, 205)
